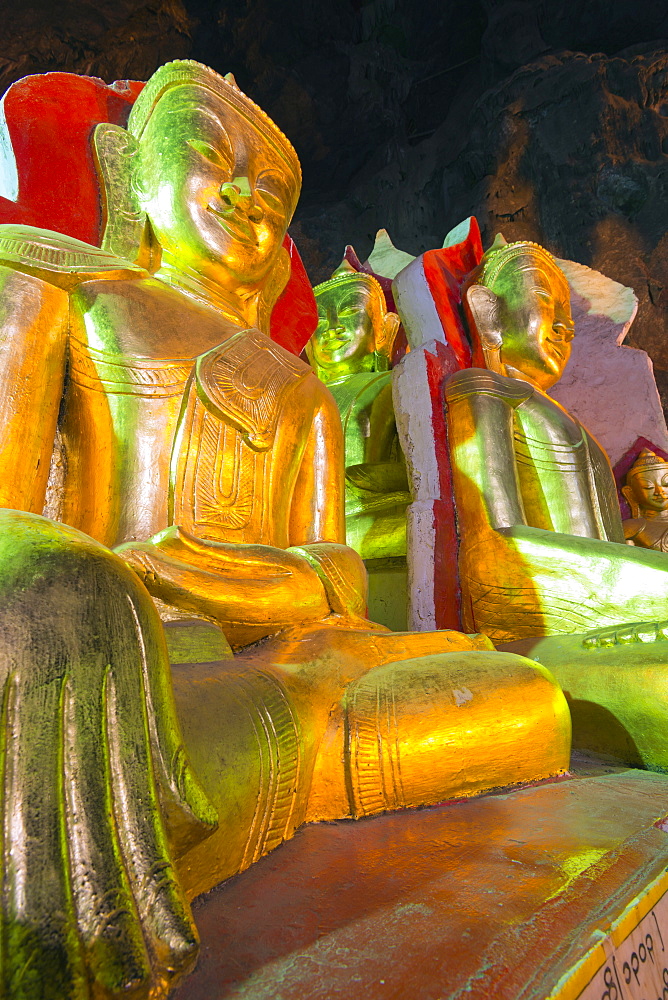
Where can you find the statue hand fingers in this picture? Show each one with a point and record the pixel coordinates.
(70, 927)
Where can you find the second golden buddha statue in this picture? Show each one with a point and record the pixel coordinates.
(350, 352)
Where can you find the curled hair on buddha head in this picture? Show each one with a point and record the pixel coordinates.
(184, 72)
(481, 301)
(646, 460)
(500, 254)
(388, 322)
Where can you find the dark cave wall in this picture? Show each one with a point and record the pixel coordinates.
(549, 121)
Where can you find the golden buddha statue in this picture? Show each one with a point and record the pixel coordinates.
(144, 407)
(536, 500)
(646, 491)
(350, 352)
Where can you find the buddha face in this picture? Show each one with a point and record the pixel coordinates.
(218, 194)
(535, 319)
(648, 490)
(348, 322)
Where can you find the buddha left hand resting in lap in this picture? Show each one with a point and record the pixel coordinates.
(211, 460)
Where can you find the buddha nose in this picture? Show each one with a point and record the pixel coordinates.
(238, 193)
(333, 323)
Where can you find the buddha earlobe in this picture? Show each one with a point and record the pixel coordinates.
(484, 306)
(627, 493)
(124, 221)
(385, 342)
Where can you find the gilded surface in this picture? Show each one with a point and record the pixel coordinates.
(536, 499)
(615, 680)
(143, 405)
(646, 491)
(350, 352)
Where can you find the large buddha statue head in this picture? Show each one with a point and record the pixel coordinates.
(201, 187)
(520, 304)
(646, 488)
(355, 331)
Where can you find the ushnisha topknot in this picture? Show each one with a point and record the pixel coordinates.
(501, 253)
(646, 460)
(181, 72)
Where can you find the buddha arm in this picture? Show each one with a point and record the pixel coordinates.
(317, 523)
(33, 330)
(480, 409)
(316, 511)
(382, 427)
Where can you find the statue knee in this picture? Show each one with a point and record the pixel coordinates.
(450, 725)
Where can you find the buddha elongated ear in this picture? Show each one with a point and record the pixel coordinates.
(126, 230)
(629, 496)
(485, 309)
(385, 341)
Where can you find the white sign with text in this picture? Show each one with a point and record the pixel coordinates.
(638, 968)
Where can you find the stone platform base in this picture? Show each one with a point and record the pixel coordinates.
(547, 892)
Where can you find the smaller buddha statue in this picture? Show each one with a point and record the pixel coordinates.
(646, 491)
(350, 352)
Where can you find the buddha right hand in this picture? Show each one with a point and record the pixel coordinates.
(92, 762)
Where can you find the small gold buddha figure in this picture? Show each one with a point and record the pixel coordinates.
(542, 548)
(350, 352)
(646, 491)
(145, 411)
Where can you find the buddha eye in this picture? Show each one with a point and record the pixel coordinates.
(565, 331)
(271, 190)
(210, 153)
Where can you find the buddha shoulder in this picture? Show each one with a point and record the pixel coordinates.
(59, 260)
(481, 382)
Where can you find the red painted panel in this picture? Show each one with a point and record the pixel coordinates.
(49, 120)
(295, 315)
(445, 271)
(447, 591)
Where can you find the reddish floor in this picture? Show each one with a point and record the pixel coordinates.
(492, 897)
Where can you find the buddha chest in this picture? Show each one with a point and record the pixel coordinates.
(134, 419)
